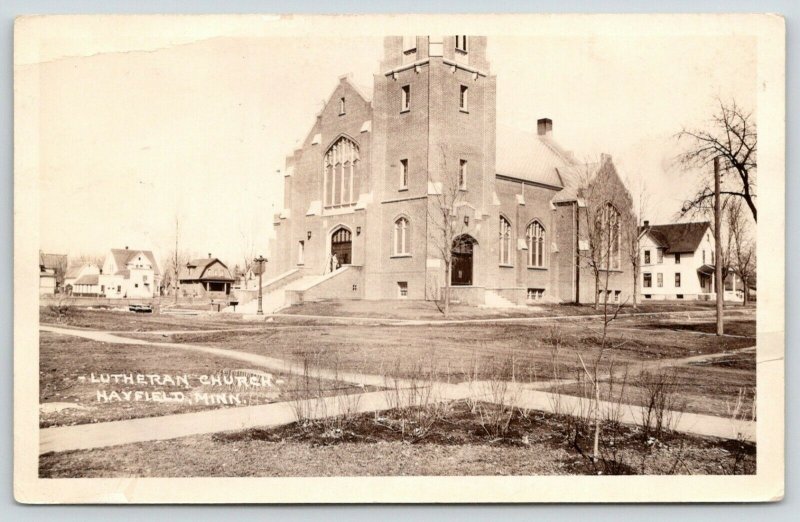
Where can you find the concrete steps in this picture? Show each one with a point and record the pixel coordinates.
(494, 300)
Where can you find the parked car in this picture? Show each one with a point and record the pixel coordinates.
(141, 308)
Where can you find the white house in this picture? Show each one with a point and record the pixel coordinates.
(129, 273)
(83, 280)
(677, 262)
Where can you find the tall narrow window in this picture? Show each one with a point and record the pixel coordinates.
(677, 279)
(677, 259)
(646, 257)
(301, 252)
(403, 173)
(704, 256)
(462, 174)
(505, 241)
(462, 100)
(536, 245)
(610, 237)
(660, 280)
(647, 280)
(461, 43)
(341, 106)
(405, 98)
(401, 236)
(341, 175)
(659, 255)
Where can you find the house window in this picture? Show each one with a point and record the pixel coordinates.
(341, 106)
(119, 288)
(677, 259)
(136, 285)
(355, 288)
(536, 244)
(647, 281)
(646, 257)
(341, 176)
(462, 174)
(405, 98)
(402, 289)
(704, 256)
(617, 293)
(505, 241)
(660, 255)
(401, 236)
(102, 288)
(144, 278)
(403, 174)
(535, 294)
(301, 252)
(712, 257)
(660, 280)
(677, 279)
(462, 100)
(461, 43)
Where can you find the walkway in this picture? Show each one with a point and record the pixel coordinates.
(526, 396)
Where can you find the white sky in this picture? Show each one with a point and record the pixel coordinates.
(141, 131)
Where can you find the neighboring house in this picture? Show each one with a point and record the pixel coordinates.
(678, 262)
(51, 272)
(245, 280)
(363, 182)
(83, 280)
(208, 277)
(129, 273)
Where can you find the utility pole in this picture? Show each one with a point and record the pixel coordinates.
(720, 286)
(260, 260)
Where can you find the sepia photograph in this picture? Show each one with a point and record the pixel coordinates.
(317, 247)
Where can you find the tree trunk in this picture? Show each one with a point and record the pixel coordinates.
(746, 299)
(448, 268)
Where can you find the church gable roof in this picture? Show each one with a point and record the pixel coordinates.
(530, 157)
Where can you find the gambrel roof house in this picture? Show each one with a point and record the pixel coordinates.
(205, 275)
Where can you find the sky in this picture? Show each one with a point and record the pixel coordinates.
(138, 133)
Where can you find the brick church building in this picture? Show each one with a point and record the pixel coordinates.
(373, 173)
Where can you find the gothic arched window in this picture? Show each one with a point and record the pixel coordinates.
(401, 236)
(505, 241)
(611, 238)
(536, 244)
(341, 177)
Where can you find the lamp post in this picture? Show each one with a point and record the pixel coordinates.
(260, 260)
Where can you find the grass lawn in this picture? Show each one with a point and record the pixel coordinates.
(455, 440)
(69, 397)
(123, 320)
(428, 310)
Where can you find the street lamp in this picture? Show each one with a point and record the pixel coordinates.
(260, 260)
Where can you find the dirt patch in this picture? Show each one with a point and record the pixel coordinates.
(456, 442)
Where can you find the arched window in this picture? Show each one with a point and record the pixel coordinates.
(505, 241)
(342, 180)
(611, 238)
(536, 244)
(401, 236)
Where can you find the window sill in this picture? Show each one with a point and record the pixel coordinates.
(461, 51)
(403, 111)
(402, 189)
(465, 111)
(537, 268)
(506, 266)
(399, 256)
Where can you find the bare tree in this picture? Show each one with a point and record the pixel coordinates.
(445, 226)
(731, 136)
(606, 217)
(175, 260)
(742, 246)
(631, 238)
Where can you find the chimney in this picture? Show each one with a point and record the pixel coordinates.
(209, 255)
(646, 224)
(544, 127)
(126, 247)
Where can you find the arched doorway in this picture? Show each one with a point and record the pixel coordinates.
(461, 268)
(342, 245)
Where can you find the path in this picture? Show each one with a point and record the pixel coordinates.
(86, 436)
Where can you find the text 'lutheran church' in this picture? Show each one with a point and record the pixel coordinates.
(367, 185)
